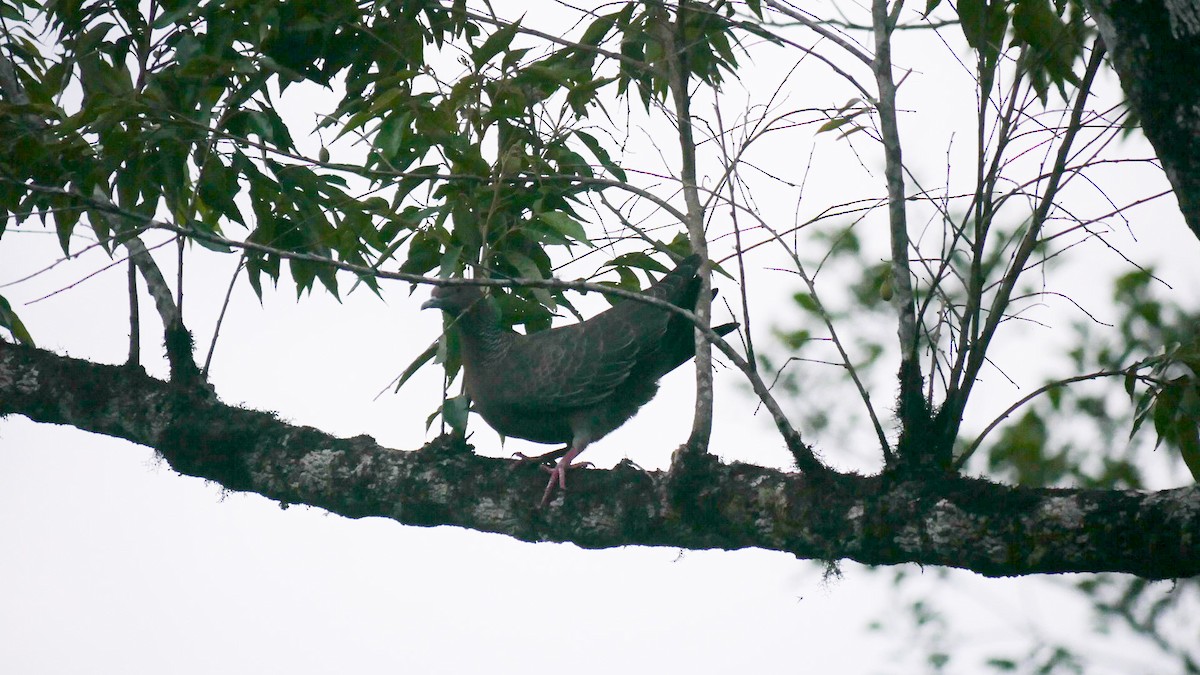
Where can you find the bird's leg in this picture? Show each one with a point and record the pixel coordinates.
(558, 475)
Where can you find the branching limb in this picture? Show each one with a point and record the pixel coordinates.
(894, 173)
(671, 36)
(978, 349)
(913, 409)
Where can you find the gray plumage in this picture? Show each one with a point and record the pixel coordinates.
(572, 384)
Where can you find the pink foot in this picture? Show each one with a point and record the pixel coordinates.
(558, 476)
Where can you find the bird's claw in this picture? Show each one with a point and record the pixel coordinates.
(558, 477)
(546, 459)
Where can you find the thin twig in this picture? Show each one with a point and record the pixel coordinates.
(962, 459)
(737, 238)
(833, 336)
(821, 30)
(1028, 244)
(135, 330)
(212, 346)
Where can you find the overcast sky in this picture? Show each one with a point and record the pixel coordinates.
(112, 563)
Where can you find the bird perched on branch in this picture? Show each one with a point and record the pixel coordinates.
(573, 384)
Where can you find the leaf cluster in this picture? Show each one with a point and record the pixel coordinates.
(1051, 35)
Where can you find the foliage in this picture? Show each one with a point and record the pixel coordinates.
(454, 142)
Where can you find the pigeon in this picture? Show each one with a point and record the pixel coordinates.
(573, 384)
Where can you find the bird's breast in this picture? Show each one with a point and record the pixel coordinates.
(510, 416)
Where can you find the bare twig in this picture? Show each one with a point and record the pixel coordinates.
(743, 286)
(833, 336)
(978, 347)
(820, 29)
(135, 330)
(212, 346)
(962, 459)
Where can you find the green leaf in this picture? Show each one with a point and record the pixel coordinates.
(1164, 412)
(628, 280)
(512, 58)
(416, 364)
(579, 96)
(598, 29)
(837, 122)
(1054, 46)
(1187, 423)
(217, 187)
(1189, 448)
(10, 321)
(639, 260)
(494, 44)
(601, 155)
(64, 223)
(565, 225)
(549, 78)
(984, 23)
(1055, 395)
(424, 253)
(177, 15)
(1022, 449)
(806, 301)
(1144, 405)
(529, 270)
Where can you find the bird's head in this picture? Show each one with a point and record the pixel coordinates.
(454, 300)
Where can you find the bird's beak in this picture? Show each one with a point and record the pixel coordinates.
(431, 303)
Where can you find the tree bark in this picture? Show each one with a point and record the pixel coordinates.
(1155, 47)
(993, 529)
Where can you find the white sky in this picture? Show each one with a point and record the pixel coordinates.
(111, 563)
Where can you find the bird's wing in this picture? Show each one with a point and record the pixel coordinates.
(583, 364)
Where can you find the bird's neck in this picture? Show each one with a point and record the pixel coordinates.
(482, 333)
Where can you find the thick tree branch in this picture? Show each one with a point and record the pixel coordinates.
(992, 529)
(1155, 45)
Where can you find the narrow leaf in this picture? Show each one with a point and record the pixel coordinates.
(601, 155)
(564, 225)
(1189, 448)
(494, 44)
(10, 321)
(416, 364)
